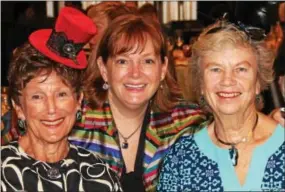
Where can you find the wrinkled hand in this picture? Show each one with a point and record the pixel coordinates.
(279, 115)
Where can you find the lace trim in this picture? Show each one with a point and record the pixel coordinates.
(60, 45)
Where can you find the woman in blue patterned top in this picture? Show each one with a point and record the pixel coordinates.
(241, 149)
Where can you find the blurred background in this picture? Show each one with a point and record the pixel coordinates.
(182, 21)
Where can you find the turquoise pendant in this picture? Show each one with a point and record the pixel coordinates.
(234, 155)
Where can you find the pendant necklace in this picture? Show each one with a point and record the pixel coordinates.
(53, 173)
(233, 151)
(125, 144)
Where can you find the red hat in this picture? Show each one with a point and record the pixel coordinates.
(64, 43)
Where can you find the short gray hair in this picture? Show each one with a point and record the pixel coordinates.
(228, 33)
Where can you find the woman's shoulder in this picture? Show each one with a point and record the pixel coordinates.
(11, 149)
(267, 126)
(93, 117)
(183, 115)
(267, 120)
(184, 144)
(89, 162)
(185, 109)
(11, 143)
(12, 146)
(83, 154)
(181, 107)
(269, 135)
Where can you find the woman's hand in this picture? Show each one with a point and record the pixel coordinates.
(278, 115)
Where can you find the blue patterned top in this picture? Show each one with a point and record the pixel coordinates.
(197, 164)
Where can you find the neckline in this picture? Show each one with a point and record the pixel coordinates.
(21, 150)
(206, 140)
(233, 144)
(138, 167)
(260, 156)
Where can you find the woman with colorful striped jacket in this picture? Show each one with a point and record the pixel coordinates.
(134, 111)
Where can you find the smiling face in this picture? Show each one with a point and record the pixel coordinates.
(230, 80)
(49, 107)
(134, 77)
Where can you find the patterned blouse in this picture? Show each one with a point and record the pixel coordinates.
(97, 133)
(81, 170)
(197, 164)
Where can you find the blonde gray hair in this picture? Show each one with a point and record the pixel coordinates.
(228, 33)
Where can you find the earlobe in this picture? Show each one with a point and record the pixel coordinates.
(102, 68)
(81, 96)
(257, 88)
(164, 68)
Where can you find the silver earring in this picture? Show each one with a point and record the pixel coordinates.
(105, 86)
(78, 115)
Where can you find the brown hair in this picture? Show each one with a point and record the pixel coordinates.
(110, 10)
(28, 63)
(228, 33)
(122, 35)
(149, 11)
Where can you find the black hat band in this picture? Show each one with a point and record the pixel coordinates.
(60, 45)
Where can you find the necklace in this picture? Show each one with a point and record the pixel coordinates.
(125, 144)
(53, 173)
(233, 151)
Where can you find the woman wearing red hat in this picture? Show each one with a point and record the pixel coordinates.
(45, 88)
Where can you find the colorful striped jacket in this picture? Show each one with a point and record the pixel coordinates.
(97, 133)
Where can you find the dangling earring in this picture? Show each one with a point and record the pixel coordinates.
(202, 101)
(259, 101)
(78, 115)
(258, 98)
(22, 124)
(105, 86)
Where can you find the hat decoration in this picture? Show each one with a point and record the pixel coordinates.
(253, 32)
(64, 44)
(59, 43)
